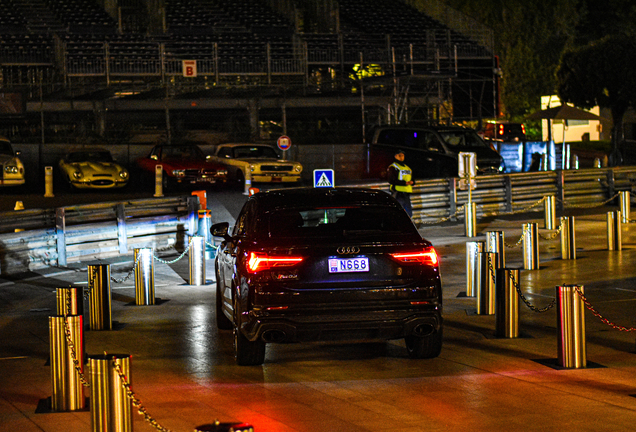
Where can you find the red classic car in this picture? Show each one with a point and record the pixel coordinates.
(183, 163)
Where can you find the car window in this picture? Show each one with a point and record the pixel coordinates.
(339, 221)
(401, 137)
(225, 152)
(94, 156)
(462, 138)
(255, 152)
(182, 153)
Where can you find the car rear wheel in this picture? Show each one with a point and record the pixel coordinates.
(423, 347)
(246, 352)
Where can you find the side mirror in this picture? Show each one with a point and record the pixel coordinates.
(220, 230)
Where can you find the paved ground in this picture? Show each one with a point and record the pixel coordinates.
(183, 372)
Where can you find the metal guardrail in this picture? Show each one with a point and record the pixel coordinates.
(32, 239)
(438, 199)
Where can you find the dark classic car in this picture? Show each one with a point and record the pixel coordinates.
(325, 264)
(183, 163)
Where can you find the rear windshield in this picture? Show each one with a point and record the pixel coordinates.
(462, 138)
(359, 221)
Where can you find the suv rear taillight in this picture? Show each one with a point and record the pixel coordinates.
(426, 256)
(259, 261)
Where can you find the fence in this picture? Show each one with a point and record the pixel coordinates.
(32, 239)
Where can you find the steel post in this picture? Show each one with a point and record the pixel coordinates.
(70, 301)
(549, 211)
(197, 261)
(614, 236)
(158, 181)
(470, 219)
(472, 250)
(111, 407)
(486, 283)
(67, 362)
(568, 240)
(530, 246)
(571, 327)
(625, 206)
(495, 243)
(507, 303)
(100, 297)
(144, 277)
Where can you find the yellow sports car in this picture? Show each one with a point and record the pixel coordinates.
(92, 168)
(12, 167)
(258, 162)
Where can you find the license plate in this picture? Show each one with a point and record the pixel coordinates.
(348, 265)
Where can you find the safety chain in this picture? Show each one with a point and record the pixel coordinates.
(135, 400)
(525, 300)
(130, 273)
(525, 209)
(525, 231)
(211, 245)
(598, 315)
(555, 234)
(444, 219)
(590, 205)
(491, 269)
(71, 346)
(178, 258)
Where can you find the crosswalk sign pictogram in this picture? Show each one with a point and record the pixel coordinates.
(323, 178)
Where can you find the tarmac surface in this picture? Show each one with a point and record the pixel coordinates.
(183, 371)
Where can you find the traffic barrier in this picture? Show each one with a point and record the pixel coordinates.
(568, 239)
(203, 198)
(614, 235)
(144, 277)
(625, 206)
(196, 257)
(66, 346)
(158, 181)
(495, 243)
(111, 407)
(473, 248)
(99, 297)
(70, 301)
(486, 283)
(507, 303)
(549, 212)
(571, 327)
(48, 182)
(470, 219)
(530, 246)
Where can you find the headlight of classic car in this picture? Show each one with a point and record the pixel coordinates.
(178, 173)
(252, 168)
(78, 175)
(123, 174)
(298, 168)
(11, 169)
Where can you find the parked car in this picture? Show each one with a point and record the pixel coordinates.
(183, 164)
(324, 264)
(431, 151)
(260, 162)
(504, 132)
(92, 168)
(12, 167)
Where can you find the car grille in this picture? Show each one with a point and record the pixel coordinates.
(276, 168)
(102, 182)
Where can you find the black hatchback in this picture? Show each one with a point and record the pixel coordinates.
(326, 264)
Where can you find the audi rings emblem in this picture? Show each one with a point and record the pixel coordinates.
(348, 250)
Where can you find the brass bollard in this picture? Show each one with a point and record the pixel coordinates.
(486, 283)
(625, 206)
(158, 181)
(70, 301)
(144, 277)
(100, 297)
(196, 257)
(495, 243)
(571, 327)
(507, 303)
(530, 246)
(472, 250)
(67, 362)
(568, 240)
(614, 235)
(549, 211)
(48, 182)
(470, 219)
(111, 408)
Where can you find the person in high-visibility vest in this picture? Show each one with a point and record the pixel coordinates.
(400, 180)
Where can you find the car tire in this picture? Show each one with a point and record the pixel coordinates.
(246, 352)
(425, 347)
(222, 322)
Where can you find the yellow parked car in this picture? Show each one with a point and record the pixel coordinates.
(261, 162)
(92, 168)
(11, 165)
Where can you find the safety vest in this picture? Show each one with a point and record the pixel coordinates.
(404, 173)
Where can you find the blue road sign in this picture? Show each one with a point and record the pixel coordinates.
(323, 178)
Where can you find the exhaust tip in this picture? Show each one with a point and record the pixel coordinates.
(274, 336)
(423, 330)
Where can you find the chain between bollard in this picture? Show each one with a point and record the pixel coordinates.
(598, 315)
(491, 269)
(590, 205)
(178, 258)
(71, 346)
(135, 400)
(526, 301)
(444, 219)
(555, 234)
(130, 273)
(525, 209)
(523, 233)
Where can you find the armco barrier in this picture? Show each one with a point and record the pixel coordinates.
(56, 237)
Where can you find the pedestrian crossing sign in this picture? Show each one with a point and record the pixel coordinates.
(323, 178)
